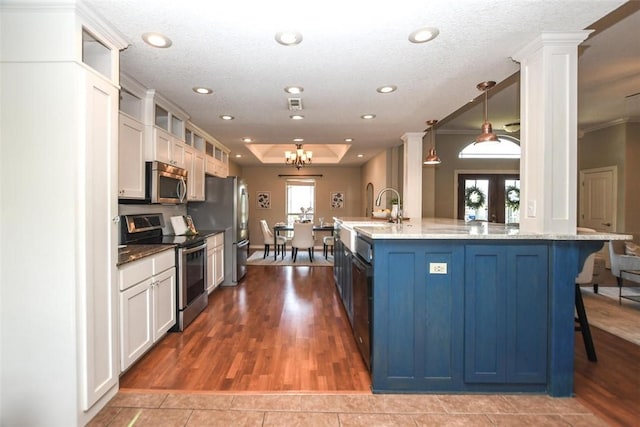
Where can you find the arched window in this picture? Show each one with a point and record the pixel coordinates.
(508, 148)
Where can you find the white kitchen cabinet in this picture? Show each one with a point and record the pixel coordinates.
(167, 148)
(217, 159)
(130, 158)
(59, 321)
(215, 261)
(147, 304)
(195, 165)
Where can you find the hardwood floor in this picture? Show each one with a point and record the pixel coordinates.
(610, 388)
(283, 329)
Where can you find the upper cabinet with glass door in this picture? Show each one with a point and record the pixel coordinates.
(166, 122)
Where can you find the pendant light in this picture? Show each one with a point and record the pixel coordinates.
(432, 157)
(487, 134)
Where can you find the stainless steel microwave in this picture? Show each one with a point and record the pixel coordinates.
(165, 183)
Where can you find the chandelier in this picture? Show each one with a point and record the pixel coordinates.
(298, 158)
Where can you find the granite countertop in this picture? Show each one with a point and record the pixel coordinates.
(445, 228)
(130, 253)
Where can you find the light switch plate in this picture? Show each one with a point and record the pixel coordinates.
(437, 268)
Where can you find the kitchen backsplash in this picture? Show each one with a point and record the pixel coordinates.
(167, 212)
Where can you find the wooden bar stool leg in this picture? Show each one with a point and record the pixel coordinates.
(584, 327)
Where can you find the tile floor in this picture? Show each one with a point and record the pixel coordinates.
(217, 409)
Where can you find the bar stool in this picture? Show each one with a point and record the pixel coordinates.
(582, 324)
(327, 242)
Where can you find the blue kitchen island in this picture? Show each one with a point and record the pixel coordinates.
(470, 307)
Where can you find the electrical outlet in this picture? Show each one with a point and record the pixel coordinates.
(437, 268)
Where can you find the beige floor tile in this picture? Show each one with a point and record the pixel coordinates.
(545, 405)
(267, 402)
(452, 420)
(198, 401)
(476, 404)
(519, 420)
(340, 403)
(377, 420)
(104, 417)
(145, 417)
(297, 419)
(138, 400)
(410, 404)
(584, 420)
(207, 418)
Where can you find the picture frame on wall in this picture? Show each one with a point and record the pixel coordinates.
(263, 199)
(337, 199)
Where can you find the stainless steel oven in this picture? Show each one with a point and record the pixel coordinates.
(192, 284)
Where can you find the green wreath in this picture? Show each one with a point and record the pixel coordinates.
(512, 197)
(474, 197)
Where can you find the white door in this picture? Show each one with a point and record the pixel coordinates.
(598, 200)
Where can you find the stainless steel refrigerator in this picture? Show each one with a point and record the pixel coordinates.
(226, 207)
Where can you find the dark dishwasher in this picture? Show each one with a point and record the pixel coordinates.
(362, 279)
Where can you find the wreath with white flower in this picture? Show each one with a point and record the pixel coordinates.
(474, 197)
(512, 197)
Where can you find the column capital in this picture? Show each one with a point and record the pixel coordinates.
(412, 135)
(568, 38)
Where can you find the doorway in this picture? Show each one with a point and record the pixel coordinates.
(368, 211)
(597, 200)
(492, 197)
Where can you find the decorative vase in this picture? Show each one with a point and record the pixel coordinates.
(394, 211)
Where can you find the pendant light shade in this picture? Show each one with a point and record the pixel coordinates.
(432, 158)
(487, 134)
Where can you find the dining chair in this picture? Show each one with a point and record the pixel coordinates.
(327, 243)
(281, 241)
(302, 239)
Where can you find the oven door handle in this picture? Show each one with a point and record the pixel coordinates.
(187, 251)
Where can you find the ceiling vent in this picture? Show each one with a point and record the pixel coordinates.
(295, 104)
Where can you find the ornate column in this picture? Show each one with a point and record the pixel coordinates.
(548, 130)
(412, 178)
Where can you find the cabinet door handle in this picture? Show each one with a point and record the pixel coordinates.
(608, 224)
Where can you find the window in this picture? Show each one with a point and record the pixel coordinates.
(508, 148)
(301, 199)
(487, 194)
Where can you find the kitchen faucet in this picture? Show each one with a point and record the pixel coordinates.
(379, 199)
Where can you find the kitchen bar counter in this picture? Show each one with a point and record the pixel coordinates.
(470, 307)
(444, 228)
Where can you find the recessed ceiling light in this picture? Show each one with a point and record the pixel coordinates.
(360, 155)
(422, 35)
(227, 117)
(156, 40)
(368, 116)
(387, 89)
(298, 139)
(247, 139)
(296, 117)
(202, 90)
(238, 155)
(294, 89)
(348, 140)
(288, 38)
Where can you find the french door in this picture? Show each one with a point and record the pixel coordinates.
(483, 197)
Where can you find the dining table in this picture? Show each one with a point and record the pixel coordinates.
(281, 226)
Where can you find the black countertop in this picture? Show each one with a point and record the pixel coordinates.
(134, 252)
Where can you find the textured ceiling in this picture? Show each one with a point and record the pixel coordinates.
(349, 49)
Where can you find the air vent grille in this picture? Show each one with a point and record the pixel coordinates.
(295, 104)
